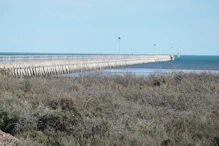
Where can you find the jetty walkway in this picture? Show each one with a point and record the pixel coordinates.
(21, 66)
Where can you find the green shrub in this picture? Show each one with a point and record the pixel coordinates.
(8, 119)
(58, 121)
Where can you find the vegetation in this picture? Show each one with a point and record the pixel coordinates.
(159, 110)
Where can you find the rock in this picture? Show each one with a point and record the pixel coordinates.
(7, 139)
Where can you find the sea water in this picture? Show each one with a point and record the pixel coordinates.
(186, 63)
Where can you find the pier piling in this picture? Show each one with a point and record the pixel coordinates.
(47, 65)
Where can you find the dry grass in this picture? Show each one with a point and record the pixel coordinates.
(159, 110)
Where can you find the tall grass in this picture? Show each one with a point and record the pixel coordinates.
(158, 110)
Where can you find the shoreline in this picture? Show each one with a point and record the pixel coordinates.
(136, 71)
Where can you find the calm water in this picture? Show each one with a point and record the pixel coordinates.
(184, 63)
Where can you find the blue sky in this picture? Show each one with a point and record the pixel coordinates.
(92, 26)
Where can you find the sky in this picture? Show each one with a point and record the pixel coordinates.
(93, 26)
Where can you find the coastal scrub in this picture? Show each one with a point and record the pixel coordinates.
(158, 110)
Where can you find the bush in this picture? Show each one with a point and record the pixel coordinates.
(8, 119)
(58, 121)
(162, 109)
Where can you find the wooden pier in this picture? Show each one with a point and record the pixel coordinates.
(53, 65)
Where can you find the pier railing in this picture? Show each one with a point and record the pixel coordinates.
(10, 59)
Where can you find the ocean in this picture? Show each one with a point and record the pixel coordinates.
(186, 63)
